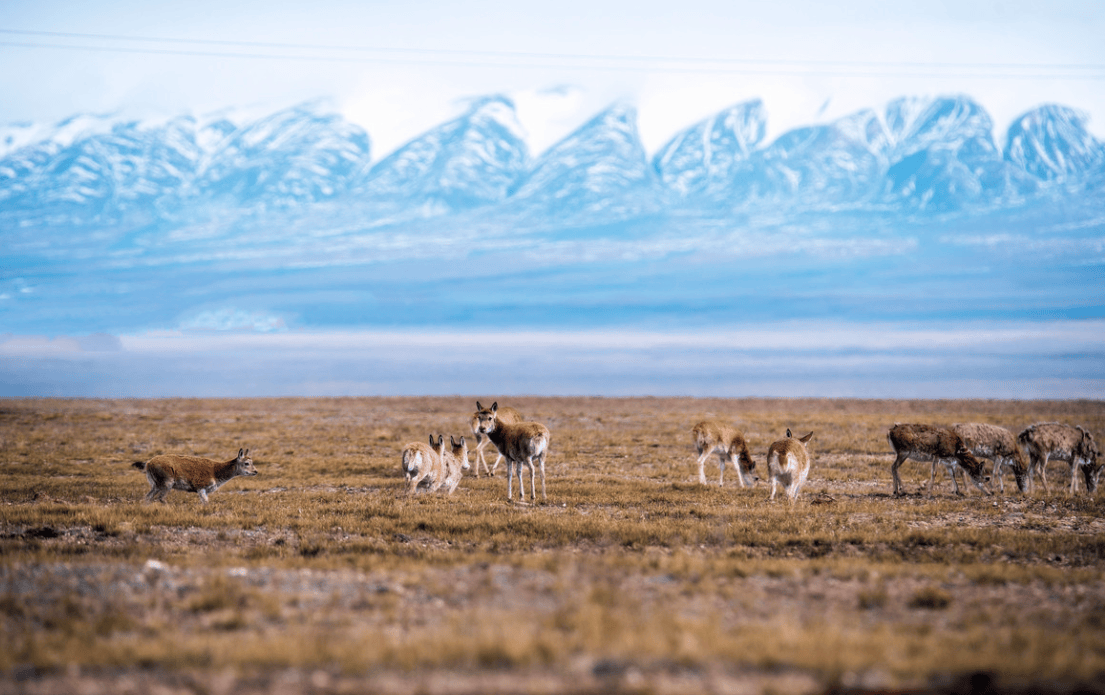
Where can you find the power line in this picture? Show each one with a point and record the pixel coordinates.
(484, 58)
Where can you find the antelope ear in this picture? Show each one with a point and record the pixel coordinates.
(461, 440)
(241, 453)
(495, 407)
(478, 406)
(806, 438)
(431, 440)
(788, 432)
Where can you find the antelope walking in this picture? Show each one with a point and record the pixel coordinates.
(940, 445)
(168, 472)
(1000, 446)
(1051, 440)
(520, 443)
(788, 464)
(716, 436)
(506, 415)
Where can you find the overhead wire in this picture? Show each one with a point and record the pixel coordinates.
(540, 60)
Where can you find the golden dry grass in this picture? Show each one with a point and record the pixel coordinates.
(633, 577)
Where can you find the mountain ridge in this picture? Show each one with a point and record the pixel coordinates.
(916, 154)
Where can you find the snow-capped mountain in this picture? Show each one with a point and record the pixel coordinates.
(1052, 144)
(83, 173)
(294, 156)
(826, 166)
(600, 171)
(702, 160)
(914, 156)
(943, 156)
(473, 160)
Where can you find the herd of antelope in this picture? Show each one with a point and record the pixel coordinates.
(526, 444)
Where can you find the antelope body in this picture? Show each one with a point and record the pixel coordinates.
(788, 464)
(168, 472)
(940, 445)
(422, 462)
(454, 461)
(506, 414)
(728, 442)
(1051, 440)
(1000, 446)
(521, 444)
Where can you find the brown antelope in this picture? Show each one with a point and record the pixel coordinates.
(507, 415)
(716, 436)
(1000, 446)
(423, 463)
(788, 464)
(168, 472)
(521, 444)
(940, 445)
(454, 461)
(1051, 440)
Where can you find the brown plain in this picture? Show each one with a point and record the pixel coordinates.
(322, 575)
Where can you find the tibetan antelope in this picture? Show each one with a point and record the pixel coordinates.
(788, 464)
(506, 414)
(940, 445)
(454, 461)
(168, 472)
(423, 463)
(1000, 446)
(716, 436)
(521, 444)
(1050, 440)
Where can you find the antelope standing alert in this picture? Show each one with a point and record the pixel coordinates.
(521, 444)
(716, 436)
(1000, 446)
(1050, 440)
(507, 415)
(788, 464)
(940, 445)
(168, 472)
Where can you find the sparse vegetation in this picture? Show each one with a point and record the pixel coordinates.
(632, 577)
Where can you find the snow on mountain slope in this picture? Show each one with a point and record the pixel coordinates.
(1053, 144)
(601, 170)
(702, 159)
(94, 175)
(823, 166)
(943, 156)
(470, 161)
(293, 156)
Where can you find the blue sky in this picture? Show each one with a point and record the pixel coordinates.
(400, 68)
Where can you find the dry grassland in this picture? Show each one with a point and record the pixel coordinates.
(319, 575)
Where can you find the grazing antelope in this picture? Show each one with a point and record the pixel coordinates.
(506, 414)
(1000, 446)
(168, 472)
(454, 461)
(716, 436)
(520, 443)
(940, 445)
(423, 463)
(1051, 440)
(788, 464)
